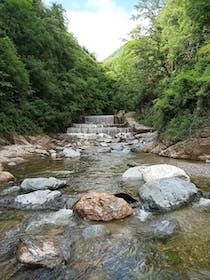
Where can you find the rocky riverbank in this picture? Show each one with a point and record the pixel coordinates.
(97, 205)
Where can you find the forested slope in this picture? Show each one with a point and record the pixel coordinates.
(46, 79)
(165, 73)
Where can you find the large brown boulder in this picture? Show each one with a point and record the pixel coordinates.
(6, 177)
(195, 149)
(102, 207)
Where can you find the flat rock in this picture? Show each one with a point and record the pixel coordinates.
(61, 217)
(116, 146)
(161, 229)
(40, 250)
(134, 173)
(70, 153)
(34, 184)
(6, 177)
(167, 194)
(10, 190)
(36, 199)
(95, 231)
(195, 149)
(159, 171)
(102, 207)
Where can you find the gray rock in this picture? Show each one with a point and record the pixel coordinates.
(58, 218)
(94, 231)
(70, 153)
(204, 204)
(167, 194)
(9, 241)
(37, 200)
(34, 184)
(68, 201)
(10, 190)
(116, 146)
(40, 250)
(161, 229)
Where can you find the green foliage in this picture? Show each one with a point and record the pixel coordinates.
(46, 79)
(168, 69)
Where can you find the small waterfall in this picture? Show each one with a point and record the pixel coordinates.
(98, 124)
(101, 120)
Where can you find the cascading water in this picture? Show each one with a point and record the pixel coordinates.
(98, 124)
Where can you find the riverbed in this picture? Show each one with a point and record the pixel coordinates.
(121, 251)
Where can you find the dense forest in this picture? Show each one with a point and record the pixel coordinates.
(46, 79)
(164, 73)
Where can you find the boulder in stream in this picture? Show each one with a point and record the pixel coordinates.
(159, 171)
(167, 194)
(116, 146)
(40, 250)
(37, 200)
(35, 184)
(134, 173)
(70, 153)
(102, 207)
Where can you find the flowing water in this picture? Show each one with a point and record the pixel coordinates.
(122, 252)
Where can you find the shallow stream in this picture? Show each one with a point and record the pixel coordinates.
(122, 252)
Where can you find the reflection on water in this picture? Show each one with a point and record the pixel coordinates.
(122, 253)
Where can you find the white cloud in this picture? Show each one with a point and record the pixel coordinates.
(100, 27)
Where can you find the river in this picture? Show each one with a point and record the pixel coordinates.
(122, 252)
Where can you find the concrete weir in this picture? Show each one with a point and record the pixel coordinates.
(96, 125)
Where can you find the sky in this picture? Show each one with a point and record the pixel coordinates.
(99, 25)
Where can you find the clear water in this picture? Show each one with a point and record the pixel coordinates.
(123, 253)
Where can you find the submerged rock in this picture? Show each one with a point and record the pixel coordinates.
(102, 207)
(9, 241)
(40, 250)
(159, 171)
(36, 199)
(161, 229)
(94, 231)
(34, 184)
(167, 194)
(59, 218)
